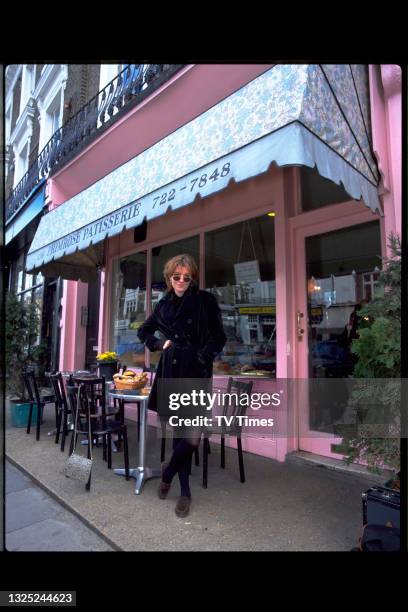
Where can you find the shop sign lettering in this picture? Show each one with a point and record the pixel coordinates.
(96, 231)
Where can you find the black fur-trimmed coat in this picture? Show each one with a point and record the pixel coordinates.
(194, 326)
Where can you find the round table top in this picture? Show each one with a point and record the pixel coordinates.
(129, 394)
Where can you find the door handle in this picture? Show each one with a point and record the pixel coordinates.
(300, 330)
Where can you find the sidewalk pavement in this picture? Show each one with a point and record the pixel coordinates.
(36, 522)
(287, 506)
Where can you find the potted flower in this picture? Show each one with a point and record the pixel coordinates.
(108, 364)
(22, 351)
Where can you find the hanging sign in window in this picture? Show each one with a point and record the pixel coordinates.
(247, 272)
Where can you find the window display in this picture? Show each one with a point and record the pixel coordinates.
(240, 272)
(128, 308)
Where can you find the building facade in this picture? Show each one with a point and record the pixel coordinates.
(283, 181)
(40, 98)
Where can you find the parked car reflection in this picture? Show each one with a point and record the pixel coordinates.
(332, 360)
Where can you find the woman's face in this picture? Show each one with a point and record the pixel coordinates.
(178, 280)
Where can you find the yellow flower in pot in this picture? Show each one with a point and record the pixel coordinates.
(107, 357)
(108, 364)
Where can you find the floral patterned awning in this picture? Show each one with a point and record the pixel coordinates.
(312, 115)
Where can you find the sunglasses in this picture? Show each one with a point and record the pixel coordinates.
(178, 277)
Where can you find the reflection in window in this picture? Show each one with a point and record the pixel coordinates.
(38, 302)
(240, 272)
(29, 288)
(20, 279)
(28, 281)
(342, 272)
(128, 308)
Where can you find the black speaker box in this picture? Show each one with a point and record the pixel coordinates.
(381, 505)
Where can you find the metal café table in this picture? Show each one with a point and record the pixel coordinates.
(141, 473)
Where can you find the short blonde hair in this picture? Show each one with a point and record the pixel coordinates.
(185, 261)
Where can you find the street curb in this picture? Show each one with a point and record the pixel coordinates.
(64, 504)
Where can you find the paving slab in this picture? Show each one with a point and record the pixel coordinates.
(55, 535)
(16, 481)
(37, 522)
(26, 507)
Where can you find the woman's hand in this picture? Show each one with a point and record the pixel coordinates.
(167, 344)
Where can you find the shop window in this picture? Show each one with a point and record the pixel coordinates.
(318, 191)
(29, 288)
(128, 308)
(37, 299)
(240, 272)
(17, 283)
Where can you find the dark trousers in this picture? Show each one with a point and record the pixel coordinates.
(180, 462)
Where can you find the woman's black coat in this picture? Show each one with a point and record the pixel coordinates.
(194, 326)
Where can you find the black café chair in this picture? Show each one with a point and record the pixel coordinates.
(31, 386)
(92, 405)
(231, 409)
(62, 406)
(117, 409)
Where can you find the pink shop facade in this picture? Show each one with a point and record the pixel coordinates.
(283, 181)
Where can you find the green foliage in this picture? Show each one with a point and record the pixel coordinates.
(22, 349)
(378, 349)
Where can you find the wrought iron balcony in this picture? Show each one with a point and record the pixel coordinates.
(125, 91)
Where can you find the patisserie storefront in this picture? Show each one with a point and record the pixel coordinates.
(274, 192)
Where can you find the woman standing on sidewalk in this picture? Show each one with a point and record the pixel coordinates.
(190, 320)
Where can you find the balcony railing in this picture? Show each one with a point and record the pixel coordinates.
(124, 92)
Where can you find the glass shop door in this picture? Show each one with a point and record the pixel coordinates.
(337, 273)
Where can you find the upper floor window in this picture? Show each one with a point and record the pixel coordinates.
(55, 119)
(27, 85)
(21, 163)
(8, 123)
(51, 120)
(107, 73)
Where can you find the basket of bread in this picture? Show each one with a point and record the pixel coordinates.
(129, 380)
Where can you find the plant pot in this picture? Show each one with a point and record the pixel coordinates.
(108, 369)
(19, 413)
